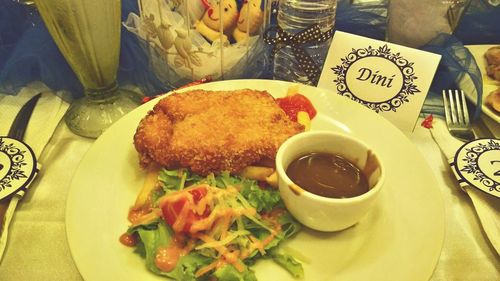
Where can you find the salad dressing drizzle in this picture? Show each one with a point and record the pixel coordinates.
(128, 240)
(134, 215)
(167, 256)
(227, 256)
(143, 216)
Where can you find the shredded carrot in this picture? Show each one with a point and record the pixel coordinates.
(207, 239)
(225, 224)
(257, 244)
(204, 270)
(239, 265)
(268, 239)
(181, 220)
(202, 205)
(206, 223)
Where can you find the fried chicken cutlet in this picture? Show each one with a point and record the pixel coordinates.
(213, 131)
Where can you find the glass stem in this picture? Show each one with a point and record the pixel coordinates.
(102, 94)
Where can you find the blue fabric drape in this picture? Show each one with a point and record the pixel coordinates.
(457, 63)
(480, 24)
(28, 53)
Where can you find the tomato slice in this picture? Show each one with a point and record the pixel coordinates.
(172, 210)
(295, 103)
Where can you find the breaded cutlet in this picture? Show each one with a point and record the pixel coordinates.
(213, 131)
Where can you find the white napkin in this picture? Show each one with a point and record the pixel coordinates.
(487, 207)
(46, 116)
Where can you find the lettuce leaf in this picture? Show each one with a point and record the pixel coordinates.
(225, 179)
(262, 199)
(152, 239)
(229, 273)
(289, 226)
(187, 267)
(153, 225)
(289, 263)
(173, 180)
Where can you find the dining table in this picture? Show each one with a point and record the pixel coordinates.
(38, 249)
(38, 246)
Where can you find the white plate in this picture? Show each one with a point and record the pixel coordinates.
(489, 84)
(400, 239)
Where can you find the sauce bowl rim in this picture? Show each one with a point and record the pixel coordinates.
(282, 175)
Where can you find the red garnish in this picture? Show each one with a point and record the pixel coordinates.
(427, 123)
(172, 210)
(146, 99)
(295, 103)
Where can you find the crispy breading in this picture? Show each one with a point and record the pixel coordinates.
(492, 56)
(493, 100)
(213, 131)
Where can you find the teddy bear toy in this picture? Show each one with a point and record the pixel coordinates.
(250, 19)
(222, 11)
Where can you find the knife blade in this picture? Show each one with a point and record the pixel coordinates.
(17, 131)
(20, 123)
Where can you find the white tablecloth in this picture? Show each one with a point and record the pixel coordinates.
(38, 248)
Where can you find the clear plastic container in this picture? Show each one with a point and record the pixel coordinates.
(191, 40)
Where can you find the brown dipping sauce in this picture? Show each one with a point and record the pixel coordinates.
(327, 175)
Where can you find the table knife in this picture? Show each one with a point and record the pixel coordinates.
(17, 131)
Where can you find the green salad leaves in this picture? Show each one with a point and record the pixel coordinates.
(212, 228)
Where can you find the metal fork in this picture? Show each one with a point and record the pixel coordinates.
(457, 115)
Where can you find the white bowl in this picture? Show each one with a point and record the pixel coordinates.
(324, 213)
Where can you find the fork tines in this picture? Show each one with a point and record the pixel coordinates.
(455, 107)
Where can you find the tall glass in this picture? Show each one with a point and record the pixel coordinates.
(87, 32)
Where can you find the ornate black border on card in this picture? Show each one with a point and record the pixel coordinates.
(20, 156)
(408, 89)
(470, 163)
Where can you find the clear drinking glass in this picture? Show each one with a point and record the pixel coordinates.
(87, 32)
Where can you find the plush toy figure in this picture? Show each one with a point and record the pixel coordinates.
(250, 19)
(209, 26)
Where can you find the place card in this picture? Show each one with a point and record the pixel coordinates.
(18, 166)
(477, 164)
(390, 79)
